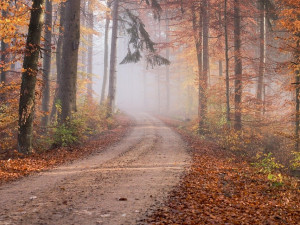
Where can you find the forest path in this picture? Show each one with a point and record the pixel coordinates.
(114, 186)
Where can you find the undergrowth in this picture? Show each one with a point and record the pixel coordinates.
(89, 120)
(272, 153)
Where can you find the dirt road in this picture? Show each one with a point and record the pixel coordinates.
(115, 186)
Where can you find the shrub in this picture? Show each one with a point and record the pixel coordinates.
(295, 162)
(70, 133)
(266, 164)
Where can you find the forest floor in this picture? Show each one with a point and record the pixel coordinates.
(221, 188)
(14, 166)
(114, 185)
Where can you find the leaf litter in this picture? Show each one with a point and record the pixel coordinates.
(221, 188)
(18, 165)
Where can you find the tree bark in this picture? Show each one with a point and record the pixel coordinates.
(226, 62)
(158, 75)
(67, 88)
(4, 61)
(47, 62)
(58, 58)
(4, 58)
(220, 68)
(104, 83)
(167, 67)
(90, 54)
(205, 62)
(238, 66)
(83, 45)
(30, 67)
(113, 60)
(198, 43)
(261, 70)
(297, 80)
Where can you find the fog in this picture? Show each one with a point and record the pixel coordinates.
(138, 87)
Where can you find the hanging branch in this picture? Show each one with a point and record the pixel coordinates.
(140, 41)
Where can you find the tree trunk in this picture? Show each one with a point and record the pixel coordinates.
(83, 45)
(238, 66)
(30, 66)
(4, 61)
(90, 54)
(158, 74)
(167, 67)
(58, 58)
(47, 62)
(145, 89)
(226, 61)
(4, 58)
(205, 61)
(198, 42)
(104, 83)
(220, 68)
(113, 60)
(261, 70)
(67, 88)
(297, 81)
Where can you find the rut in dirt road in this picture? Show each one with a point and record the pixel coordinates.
(115, 186)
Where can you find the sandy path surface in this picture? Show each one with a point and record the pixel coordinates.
(115, 186)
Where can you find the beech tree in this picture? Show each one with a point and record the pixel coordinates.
(58, 58)
(113, 58)
(90, 22)
(238, 69)
(29, 76)
(68, 79)
(106, 57)
(47, 62)
(4, 60)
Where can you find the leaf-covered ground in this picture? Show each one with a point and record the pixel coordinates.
(17, 166)
(220, 188)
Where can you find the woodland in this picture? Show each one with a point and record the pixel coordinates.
(223, 74)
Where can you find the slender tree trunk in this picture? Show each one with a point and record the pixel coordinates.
(4, 58)
(198, 43)
(58, 58)
(47, 62)
(90, 54)
(220, 68)
(113, 59)
(297, 80)
(4, 61)
(205, 73)
(238, 66)
(83, 45)
(259, 94)
(67, 88)
(226, 62)
(30, 66)
(167, 67)
(104, 83)
(3, 64)
(158, 91)
(145, 89)
(158, 74)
